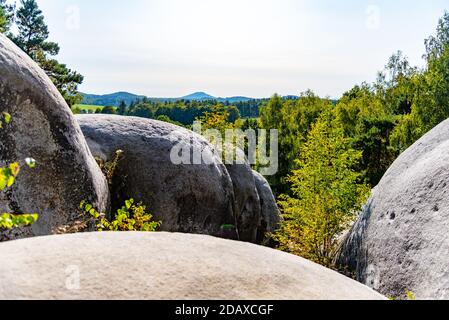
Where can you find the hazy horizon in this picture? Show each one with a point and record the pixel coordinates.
(172, 48)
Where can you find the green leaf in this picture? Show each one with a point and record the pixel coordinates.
(9, 221)
(7, 117)
(11, 180)
(3, 180)
(31, 218)
(15, 169)
(94, 213)
(410, 296)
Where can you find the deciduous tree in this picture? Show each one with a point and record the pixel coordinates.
(32, 38)
(327, 193)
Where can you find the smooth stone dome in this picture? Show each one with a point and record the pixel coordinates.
(247, 200)
(43, 127)
(192, 197)
(132, 265)
(400, 243)
(270, 214)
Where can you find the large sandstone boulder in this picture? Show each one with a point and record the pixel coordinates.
(247, 201)
(163, 266)
(43, 127)
(186, 197)
(400, 242)
(270, 214)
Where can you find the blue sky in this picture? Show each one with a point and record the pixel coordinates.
(170, 48)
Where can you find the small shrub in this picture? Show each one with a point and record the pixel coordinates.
(8, 176)
(9, 221)
(131, 217)
(410, 296)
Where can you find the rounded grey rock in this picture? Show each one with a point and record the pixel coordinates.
(163, 266)
(270, 215)
(400, 242)
(247, 201)
(42, 127)
(159, 167)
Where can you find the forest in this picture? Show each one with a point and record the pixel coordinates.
(182, 111)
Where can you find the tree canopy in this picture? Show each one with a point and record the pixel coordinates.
(32, 37)
(6, 16)
(327, 192)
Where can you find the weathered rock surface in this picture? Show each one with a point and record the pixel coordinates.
(247, 201)
(270, 214)
(132, 265)
(400, 242)
(43, 127)
(186, 197)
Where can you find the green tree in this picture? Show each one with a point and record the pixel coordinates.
(32, 31)
(399, 88)
(3, 21)
(143, 110)
(327, 193)
(407, 131)
(367, 120)
(293, 119)
(233, 112)
(427, 91)
(164, 118)
(437, 44)
(217, 120)
(372, 137)
(65, 79)
(6, 16)
(108, 110)
(77, 110)
(32, 38)
(432, 97)
(273, 115)
(122, 108)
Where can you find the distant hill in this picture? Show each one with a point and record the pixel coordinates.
(198, 96)
(235, 99)
(202, 96)
(114, 99)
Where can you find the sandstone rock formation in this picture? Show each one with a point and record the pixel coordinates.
(270, 214)
(247, 201)
(132, 265)
(187, 195)
(43, 128)
(400, 242)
